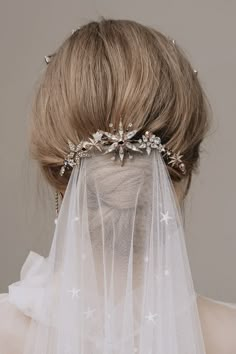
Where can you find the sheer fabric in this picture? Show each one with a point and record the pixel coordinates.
(117, 279)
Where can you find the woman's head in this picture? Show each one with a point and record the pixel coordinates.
(112, 69)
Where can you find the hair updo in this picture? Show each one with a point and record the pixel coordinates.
(112, 69)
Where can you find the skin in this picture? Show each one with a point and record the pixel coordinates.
(218, 321)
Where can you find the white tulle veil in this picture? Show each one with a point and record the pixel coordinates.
(117, 279)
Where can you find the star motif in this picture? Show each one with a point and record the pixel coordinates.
(151, 317)
(166, 217)
(74, 148)
(94, 143)
(121, 142)
(89, 313)
(80, 150)
(72, 159)
(98, 136)
(175, 159)
(74, 292)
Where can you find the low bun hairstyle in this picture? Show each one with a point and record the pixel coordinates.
(111, 69)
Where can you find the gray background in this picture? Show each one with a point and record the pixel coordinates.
(206, 31)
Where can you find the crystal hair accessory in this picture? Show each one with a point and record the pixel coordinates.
(75, 30)
(173, 42)
(121, 145)
(117, 278)
(48, 58)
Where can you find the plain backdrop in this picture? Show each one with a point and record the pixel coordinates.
(206, 31)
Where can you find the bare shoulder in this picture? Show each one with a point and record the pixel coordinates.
(13, 326)
(218, 321)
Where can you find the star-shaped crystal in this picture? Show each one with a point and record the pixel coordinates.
(93, 143)
(77, 151)
(74, 148)
(98, 136)
(166, 217)
(74, 292)
(121, 142)
(89, 313)
(175, 159)
(151, 317)
(73, 157)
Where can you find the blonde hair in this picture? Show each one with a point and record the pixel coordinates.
(111, 69)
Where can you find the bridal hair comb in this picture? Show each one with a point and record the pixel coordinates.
(121, 145)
